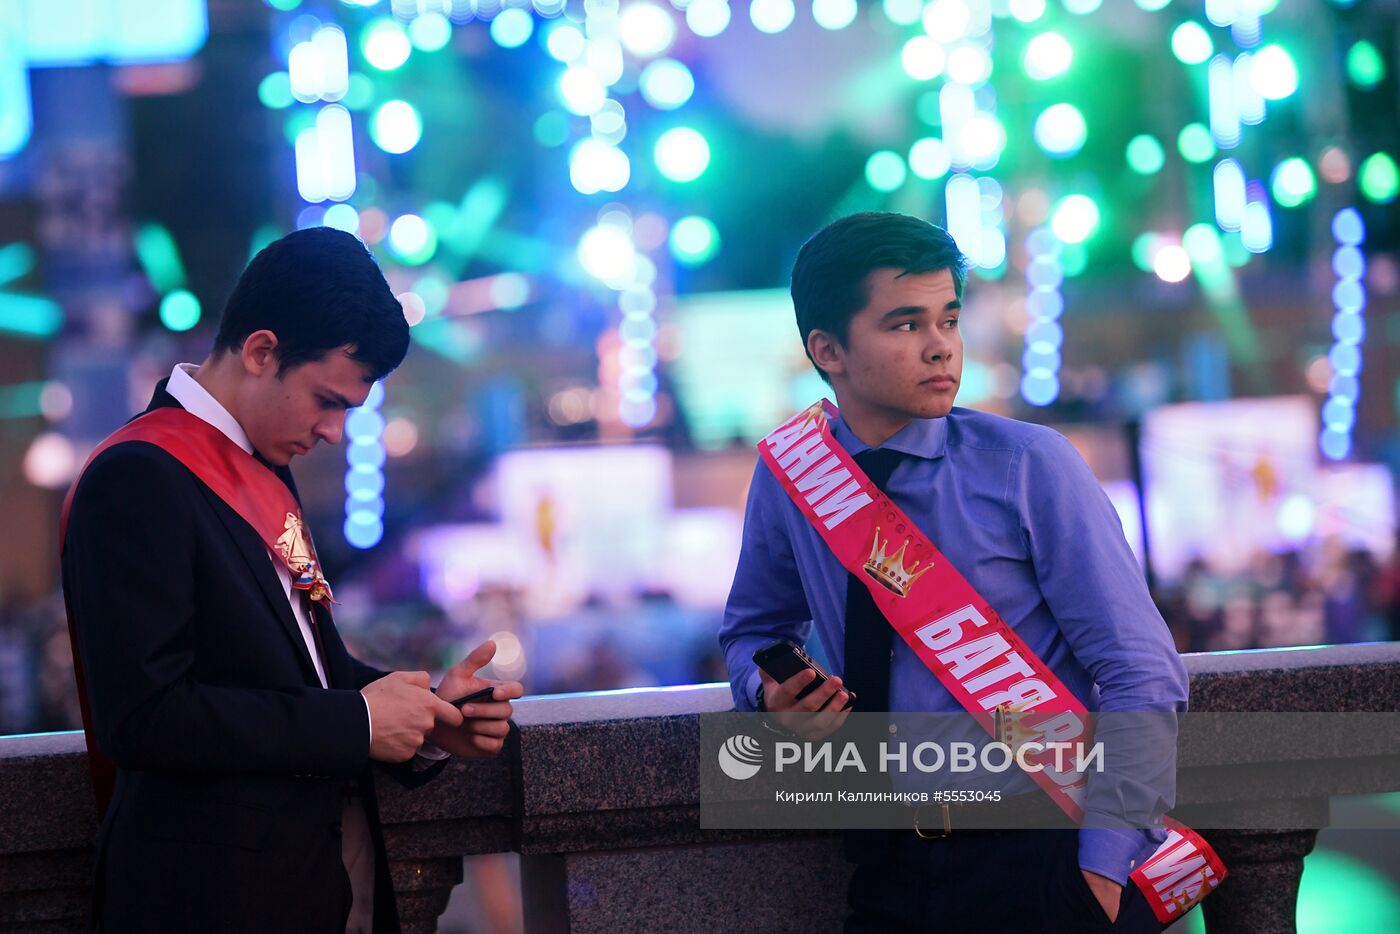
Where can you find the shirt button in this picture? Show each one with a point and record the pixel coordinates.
(893, 728)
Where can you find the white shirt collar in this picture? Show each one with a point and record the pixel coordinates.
(198, 402)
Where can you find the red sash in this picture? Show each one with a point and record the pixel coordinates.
(961, 639)
(243, 482)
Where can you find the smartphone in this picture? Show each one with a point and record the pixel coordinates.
(474, 697)
(783, 659)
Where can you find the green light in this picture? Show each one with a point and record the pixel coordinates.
(1340, 893)
(927, 107)
(297, 120)
(1075, 218)
(1202, 244)
(286, 6)
(159, 257)
(1027, 11)
(1048, 55)
(552, 129)
(263, 237)
(413, 239)
(1060, 130)
(396, 127)
(360, 93)
(1145, 250)
(385, 44)
(929, 158)
(29, 316)
(682, 154)
(275, 91)
(179, 311)
(1273, 73)
(1235, 252)
(903, 12)
(1152, 6)
(1365, 66)
(16, 262)
(1195, 144)
(1074, 259)
(694, 240)
(512, 28)
(430, 31)
(1379, 178)
(1082, 7)
(1293, 182)
(1191, 43)
(885, 170)
(1145, 155)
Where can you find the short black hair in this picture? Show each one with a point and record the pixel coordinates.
(829, 278)
(317, 289)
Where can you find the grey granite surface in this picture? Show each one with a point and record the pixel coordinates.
(603, 788)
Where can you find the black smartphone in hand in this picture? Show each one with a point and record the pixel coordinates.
(474, 697)
(783, 659)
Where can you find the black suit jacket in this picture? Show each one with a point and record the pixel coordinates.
(232, 760)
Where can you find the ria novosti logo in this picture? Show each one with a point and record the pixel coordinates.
(741, 757)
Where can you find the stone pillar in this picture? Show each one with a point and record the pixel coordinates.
(422, 888)
(1260, 894)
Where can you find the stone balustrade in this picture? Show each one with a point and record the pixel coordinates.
(599, 794)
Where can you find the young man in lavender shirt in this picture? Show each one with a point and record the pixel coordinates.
(1014, 507)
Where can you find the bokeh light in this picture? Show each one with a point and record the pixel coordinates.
(1191, 43)
(885, 170)
(646, 29)
(179, 311)
(682, 154)
(772, 16)
(1060, 130)
(1048, 55)
(1273, 73)
(834, 14)
(385, 44)
(694, 240)
(512, 28)
(1293, 182)
(1145, 154)
(1195, 143)
(1365, 65)
(667, 84)
(1379, 178)
(396, 127)
(1075, 218)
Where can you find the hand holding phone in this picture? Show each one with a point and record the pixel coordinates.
(474, 697)
(782, 661)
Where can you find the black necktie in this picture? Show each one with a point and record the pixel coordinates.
(869, 638)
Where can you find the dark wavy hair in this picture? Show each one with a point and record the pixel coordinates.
(317, 289)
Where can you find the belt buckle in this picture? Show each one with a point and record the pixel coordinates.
(934, 835)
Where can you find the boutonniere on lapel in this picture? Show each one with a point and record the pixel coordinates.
(294, 545)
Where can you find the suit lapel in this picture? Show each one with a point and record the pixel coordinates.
(255, 555)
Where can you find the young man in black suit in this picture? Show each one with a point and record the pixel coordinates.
(240, 728)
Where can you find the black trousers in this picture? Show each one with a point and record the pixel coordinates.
(985, 882)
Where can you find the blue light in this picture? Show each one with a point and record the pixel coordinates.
(1344, 387)
(363, 529)
(1348, 262)
(1338, 415)
(1045, 273)
(1047, 305)
(364, 424)
(1345, 359)
(1348, 228)
(123, 32)
(1045, 334)
(512, 28)
(1348, 295)
(1037, 358)
(1335, 445)
(365, 454)
(1348, 327)
(1040, 387)
(358, 505)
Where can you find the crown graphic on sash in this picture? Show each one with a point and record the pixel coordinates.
(890, 571)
